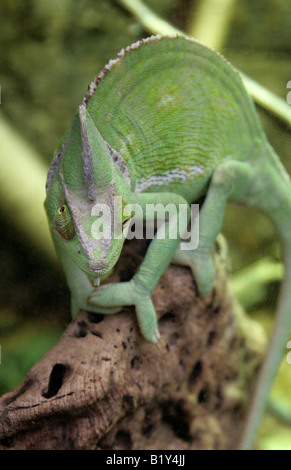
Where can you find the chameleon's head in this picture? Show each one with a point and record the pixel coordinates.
(84, 203)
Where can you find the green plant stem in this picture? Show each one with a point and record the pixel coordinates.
(22, 188)
(210, 22)
(149, 20)
(249, 284)
(267, 99)
(281, 410)
(156, 25)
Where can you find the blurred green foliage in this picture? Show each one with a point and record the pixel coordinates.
(50, 51)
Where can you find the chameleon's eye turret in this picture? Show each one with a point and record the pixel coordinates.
(64, 222)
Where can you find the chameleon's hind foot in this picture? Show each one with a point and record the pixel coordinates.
(202, 266)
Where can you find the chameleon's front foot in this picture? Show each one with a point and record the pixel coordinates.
(112, 297)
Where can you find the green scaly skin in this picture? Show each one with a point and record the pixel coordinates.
(168, 121)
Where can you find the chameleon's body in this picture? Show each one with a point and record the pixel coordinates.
(168, 121)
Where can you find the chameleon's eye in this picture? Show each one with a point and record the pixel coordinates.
(64, 222)
(125, 222)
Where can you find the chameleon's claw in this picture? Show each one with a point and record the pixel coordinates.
(160, 344)
(155, 338)
(157, 335)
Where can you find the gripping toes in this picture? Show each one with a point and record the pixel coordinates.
(204, 271)
(112, 297)
(202, 266)
(147, 319)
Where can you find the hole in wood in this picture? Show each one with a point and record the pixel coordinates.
(195, 372)
(55, 381)
(95, 317)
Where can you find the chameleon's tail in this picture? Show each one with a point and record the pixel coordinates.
(280, 335)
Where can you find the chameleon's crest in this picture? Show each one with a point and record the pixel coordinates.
(97, 162)
(94, 155)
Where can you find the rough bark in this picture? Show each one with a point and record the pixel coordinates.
(103, 387)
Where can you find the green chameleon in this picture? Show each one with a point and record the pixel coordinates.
(168, 121)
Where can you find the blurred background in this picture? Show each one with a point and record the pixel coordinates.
(49, 52)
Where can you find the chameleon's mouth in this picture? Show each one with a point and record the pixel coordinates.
(98, 269)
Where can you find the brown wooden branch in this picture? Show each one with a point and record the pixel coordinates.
(103, 387)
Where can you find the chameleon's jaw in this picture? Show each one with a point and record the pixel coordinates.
(97, 268)
(97, 271)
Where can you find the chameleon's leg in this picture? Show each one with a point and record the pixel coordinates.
(159, 254)
(229, 182)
